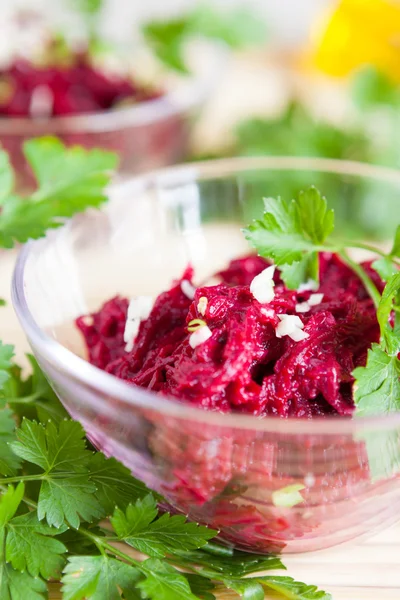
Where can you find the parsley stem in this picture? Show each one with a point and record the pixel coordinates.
(373, 249)
(106, 546)
(19, 478)
(367, 281)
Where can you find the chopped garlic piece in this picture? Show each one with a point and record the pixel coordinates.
(188, 289)
(202, 305)
(262, 286)
(288, 496)
(298, 335)
(201, 335)
(139, 309)
(303, 307)
(315, 299)
(292, 326)
(41, 103)
(309, 286)
(267, 312)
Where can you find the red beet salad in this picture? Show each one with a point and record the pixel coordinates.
(70, 86)
(246, 345)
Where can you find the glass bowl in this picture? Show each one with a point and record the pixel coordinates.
(149, 135)
(231, 471)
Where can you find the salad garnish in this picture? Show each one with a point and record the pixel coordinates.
(292, 234)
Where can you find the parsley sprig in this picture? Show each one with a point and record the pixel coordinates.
(292, 234)
(55, 491)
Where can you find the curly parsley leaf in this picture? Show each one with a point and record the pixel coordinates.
(163, 582)
(291, 233)
(9, 462)
(16, 586)
(140, 528)
(30, 545)
(70, 180)
(97, 578)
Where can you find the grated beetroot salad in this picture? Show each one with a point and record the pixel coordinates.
(76, 87)
(242, 365)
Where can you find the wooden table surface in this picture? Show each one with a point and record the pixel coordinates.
(363, 570)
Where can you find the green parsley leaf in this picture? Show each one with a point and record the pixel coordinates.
(163, 582)
(115, 486)
(248, 589)
(9, 503)
(372, 87)
(33, 398)
(9, 462)
(156, 537)
(237, 28)
(231, 563)
(293, 590)
(383, 451)
(6, 354)
(377, 385)
(6, 176)
(293, 232)
(53, 448)
(66, 491)
(16, 586)
(390, 293)
(68, 498)
(167, 38)
(70, 180)
(97, 578)
(385, 268)
(395, 251)
(90, 7)
(201, 586)
(30, 546)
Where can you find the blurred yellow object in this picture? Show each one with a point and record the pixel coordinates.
(356, 33)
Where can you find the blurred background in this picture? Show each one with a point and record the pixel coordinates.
(177, 81)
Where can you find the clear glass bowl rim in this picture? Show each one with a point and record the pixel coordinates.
(149, 111)
(109, 386)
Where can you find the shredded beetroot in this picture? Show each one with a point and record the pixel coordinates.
(244, 367)
(75, 88)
